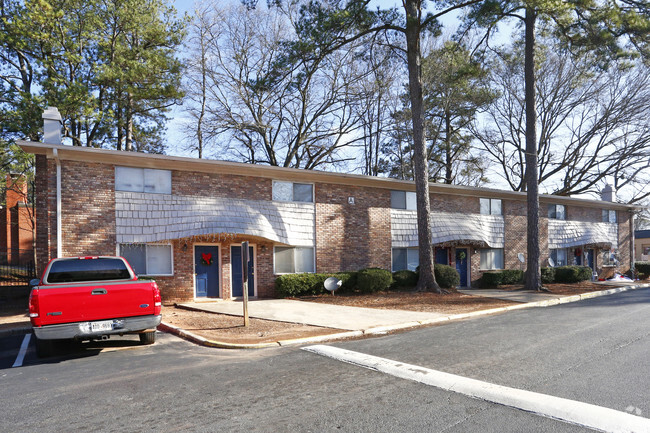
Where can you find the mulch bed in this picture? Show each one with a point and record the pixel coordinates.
(451, 303)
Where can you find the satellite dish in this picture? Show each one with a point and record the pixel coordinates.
(521, 258)
(332, 283)
(551, 262)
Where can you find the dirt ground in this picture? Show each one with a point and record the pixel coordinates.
(230, 329)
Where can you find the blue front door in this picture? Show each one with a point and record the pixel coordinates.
(206, 270)
(442, 258)
(461, 265)
(235, 265)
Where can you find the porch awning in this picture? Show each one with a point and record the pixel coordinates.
(449, 229)
(146, 217)
(567, 234)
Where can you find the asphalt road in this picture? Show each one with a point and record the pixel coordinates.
(595, 351)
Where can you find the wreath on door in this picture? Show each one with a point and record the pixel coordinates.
(206, 259)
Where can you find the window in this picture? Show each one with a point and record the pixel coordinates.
(290, 191)
(405, 258)
(143, 180)
(492, 258)
(490, 206)
(148, 259)
(403, 200)
(609, 257)
(556, 211)
(558, 256)
(646, 250)
(292, 260)
(78, 270)
(609, 216)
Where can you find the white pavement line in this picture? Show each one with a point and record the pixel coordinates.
(571, 411)
(22, 351)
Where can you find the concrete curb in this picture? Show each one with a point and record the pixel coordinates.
(379, 330)
(15, 330)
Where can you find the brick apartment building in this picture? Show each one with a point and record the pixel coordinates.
(182, 220)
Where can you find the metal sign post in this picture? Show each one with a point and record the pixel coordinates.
(244, 266)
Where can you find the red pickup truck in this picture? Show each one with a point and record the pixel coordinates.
(91, 298)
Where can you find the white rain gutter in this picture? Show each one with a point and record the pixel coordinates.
(59, 237)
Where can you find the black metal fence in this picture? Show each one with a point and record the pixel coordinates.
(16, 267)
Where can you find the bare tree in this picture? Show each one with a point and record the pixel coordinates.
(592, 124)
(301, 119)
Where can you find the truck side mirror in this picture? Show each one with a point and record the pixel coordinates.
(34, 282)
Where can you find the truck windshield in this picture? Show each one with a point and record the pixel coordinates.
(79, 270)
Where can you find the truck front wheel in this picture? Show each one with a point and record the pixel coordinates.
(148, 337)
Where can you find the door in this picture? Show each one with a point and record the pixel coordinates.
(442, 256)
(206, 270)
(235, 260)
(461, 265)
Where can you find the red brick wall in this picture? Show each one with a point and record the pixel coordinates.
(218, 185)
(87, 209)
(350, 237)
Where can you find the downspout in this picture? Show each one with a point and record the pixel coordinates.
(59, 237)
(632, 249)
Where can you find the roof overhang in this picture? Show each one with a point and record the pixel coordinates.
(149, 160)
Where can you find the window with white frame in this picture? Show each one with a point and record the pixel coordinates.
(148, 259)
(557, 211)
(143, 180)
(609, 216)
(609, 257)
(405, 258)
(490, 206)
(491, 258)
(293, 260)
(403, 200)
(558, 256)
(292, 191)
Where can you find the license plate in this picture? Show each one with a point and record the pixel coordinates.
(106, 325)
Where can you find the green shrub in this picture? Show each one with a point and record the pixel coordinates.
(643, 268)
(404, 278)
(512, 276)
(548, 275)
(447, 277)
(349, 281)
(572, 274)
(491, 279)
(299, 284)
(373, 280)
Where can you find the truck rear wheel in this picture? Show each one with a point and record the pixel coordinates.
(44, 348)
(148, 337)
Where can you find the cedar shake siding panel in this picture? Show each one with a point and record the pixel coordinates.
(147, 217)
(460, 229)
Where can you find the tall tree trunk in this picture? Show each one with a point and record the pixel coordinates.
(128, 145)
(533, 272)
(427, 280)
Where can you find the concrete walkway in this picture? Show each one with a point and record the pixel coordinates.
(533, 296)
(515, 295)
(316, 314)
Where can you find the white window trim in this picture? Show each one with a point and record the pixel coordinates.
(490, 210)
(313, 191)
(142, 169)
(482, 269)
(171, 251)
(404, 248)
(556, 218)
(294, 259)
